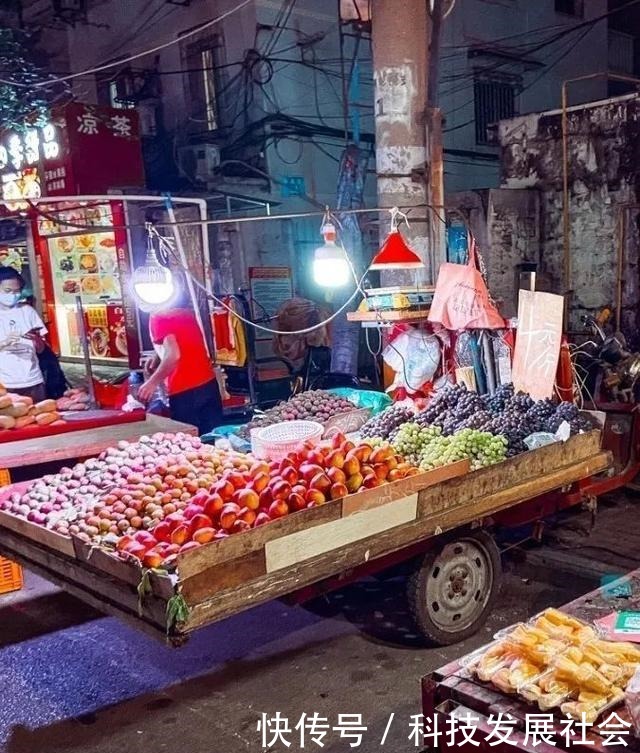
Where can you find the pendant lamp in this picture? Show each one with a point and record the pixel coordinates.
(330, 265)
(152, 282)
(395, 253)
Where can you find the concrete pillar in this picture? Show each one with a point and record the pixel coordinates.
(401, 32)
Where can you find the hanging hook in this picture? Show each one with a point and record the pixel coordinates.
(396, 217)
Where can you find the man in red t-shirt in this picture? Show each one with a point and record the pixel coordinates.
(184, 363)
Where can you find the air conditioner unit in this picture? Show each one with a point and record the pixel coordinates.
(199, 160)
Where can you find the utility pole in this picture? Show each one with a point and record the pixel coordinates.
(406, 141)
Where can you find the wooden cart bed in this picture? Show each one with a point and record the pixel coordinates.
(247, 569)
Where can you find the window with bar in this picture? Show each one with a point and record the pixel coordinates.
(494, 99)
(202, 60)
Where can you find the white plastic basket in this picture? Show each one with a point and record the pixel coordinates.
(274, 442)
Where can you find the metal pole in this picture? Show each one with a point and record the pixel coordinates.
(566, 227)
(434, 53)
(622, 233)
(84, 343)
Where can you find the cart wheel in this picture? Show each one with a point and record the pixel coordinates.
(452, 590)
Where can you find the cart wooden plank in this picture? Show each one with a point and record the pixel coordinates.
(84, 443)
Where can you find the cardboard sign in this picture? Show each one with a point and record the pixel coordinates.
(537, 350)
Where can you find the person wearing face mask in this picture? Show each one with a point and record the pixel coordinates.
(21, 339)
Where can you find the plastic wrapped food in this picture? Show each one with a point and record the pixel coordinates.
(632, 701)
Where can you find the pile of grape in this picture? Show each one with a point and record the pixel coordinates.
(314, 405)
(506, 413)
(387, 423)
(429, 448)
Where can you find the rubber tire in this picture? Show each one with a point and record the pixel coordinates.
(416, 590)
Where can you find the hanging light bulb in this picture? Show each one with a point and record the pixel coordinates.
(395, 253)
(152, 282)
(330, 265)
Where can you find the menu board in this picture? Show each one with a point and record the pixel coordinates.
(87, 266)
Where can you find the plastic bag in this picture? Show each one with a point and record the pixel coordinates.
(461, 299)
(132, 404)
(230, 434)
(375, 401)
(415, 357)
(539, 439)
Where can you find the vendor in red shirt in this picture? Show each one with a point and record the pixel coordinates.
(182, 360)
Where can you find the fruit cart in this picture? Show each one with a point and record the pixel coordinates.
(439, 521)
(452, 691)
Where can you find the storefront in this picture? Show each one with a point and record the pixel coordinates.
(77, 252)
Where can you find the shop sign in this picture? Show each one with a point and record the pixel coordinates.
(21, 157)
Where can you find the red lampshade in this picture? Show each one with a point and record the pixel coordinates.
(395, 254)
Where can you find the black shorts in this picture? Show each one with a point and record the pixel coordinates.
(200, 406)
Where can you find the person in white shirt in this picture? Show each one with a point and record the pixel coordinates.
(21, 339)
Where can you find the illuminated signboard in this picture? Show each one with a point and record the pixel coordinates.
(21, 155)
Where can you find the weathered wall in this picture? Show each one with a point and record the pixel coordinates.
(604, 175)
(506, 226)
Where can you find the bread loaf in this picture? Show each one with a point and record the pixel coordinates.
(45, 406)
(7, 422)
(43, 419)
(25, 421)
(15, 410)
(5, 401)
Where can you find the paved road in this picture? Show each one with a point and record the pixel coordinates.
(72, 680)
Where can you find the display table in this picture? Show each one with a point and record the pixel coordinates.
(451, 691)
(84, 442)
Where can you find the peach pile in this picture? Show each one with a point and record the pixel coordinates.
(157, 498)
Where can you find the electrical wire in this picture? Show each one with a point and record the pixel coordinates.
(137, 55)
(220, 302)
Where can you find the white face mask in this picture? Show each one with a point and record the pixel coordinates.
(9, 299)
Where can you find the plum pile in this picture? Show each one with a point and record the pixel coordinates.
(386, 424)
(313, 405)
